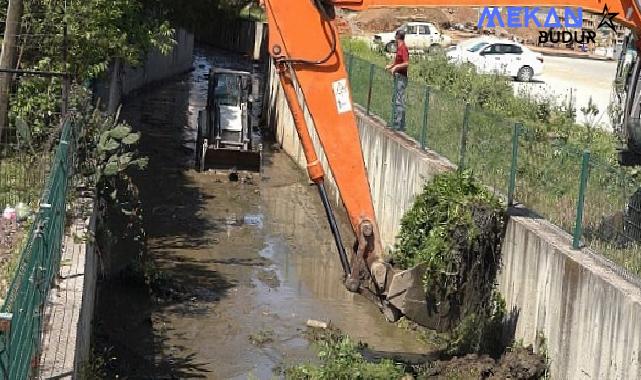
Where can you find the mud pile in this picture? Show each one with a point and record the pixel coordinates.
(518, 363)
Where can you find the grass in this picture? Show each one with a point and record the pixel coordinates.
(22, 179)
(550, 145)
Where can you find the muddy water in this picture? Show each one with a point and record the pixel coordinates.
(245, 264)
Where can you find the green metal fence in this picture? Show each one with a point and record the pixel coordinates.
(594, 200)
(22, 313)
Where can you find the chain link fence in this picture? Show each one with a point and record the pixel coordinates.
(594, 200)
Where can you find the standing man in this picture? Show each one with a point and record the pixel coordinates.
(399, 70)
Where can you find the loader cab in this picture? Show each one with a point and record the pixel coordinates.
(225, 89)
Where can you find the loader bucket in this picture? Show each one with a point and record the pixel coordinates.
(222, 159)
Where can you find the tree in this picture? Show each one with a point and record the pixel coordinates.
(99, 32)
(8, 56)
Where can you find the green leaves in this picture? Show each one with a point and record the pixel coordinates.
(341, 358)
(120, 132)
(108, 145)
(116, 147)
(443, 207)
(131, 138)
(111, 168)
(141, 163)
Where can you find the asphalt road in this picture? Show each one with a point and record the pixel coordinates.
(583, 78)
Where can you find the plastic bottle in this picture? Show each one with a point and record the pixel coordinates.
(9, 213)
(22, 212)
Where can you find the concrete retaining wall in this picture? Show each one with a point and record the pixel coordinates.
(123, 80)
(588, 311)
(240, 36)
(589, 314)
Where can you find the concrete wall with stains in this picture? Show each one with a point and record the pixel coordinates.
(241, 36)
(587, 309)
(122, 79)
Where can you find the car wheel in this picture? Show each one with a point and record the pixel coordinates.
(525, 74)
(390, 47)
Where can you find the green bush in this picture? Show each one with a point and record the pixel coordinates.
(445, 205)
(341, 358)
(453, 233)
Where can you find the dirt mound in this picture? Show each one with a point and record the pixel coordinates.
(388, 19)
(519, 363)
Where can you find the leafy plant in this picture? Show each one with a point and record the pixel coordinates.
(95, 366)
(107, 152)
(341, 358)
(590, 111)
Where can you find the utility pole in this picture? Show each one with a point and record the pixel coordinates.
(8, 57)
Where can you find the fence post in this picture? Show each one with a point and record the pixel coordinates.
(369, 88)
(426, 111)
(350, 66)
(513, 167)
(463, 147)
(578, 226)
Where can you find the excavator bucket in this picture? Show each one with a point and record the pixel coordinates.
(227, 138)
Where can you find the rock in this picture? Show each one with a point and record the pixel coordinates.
(406, 293)
(379, 272)
(316, 324)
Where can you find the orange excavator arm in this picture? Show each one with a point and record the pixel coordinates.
(305, 46)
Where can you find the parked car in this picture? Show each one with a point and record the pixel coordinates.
(499, 56)
(418, 36)
(605, 52)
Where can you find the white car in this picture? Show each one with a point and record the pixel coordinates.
(498, 56)
(418, 36)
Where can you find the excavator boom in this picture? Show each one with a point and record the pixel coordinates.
(305, 46)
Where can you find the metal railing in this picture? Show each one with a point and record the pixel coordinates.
(587, 195)
(22, 313)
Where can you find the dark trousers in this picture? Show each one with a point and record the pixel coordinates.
(398, 102)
